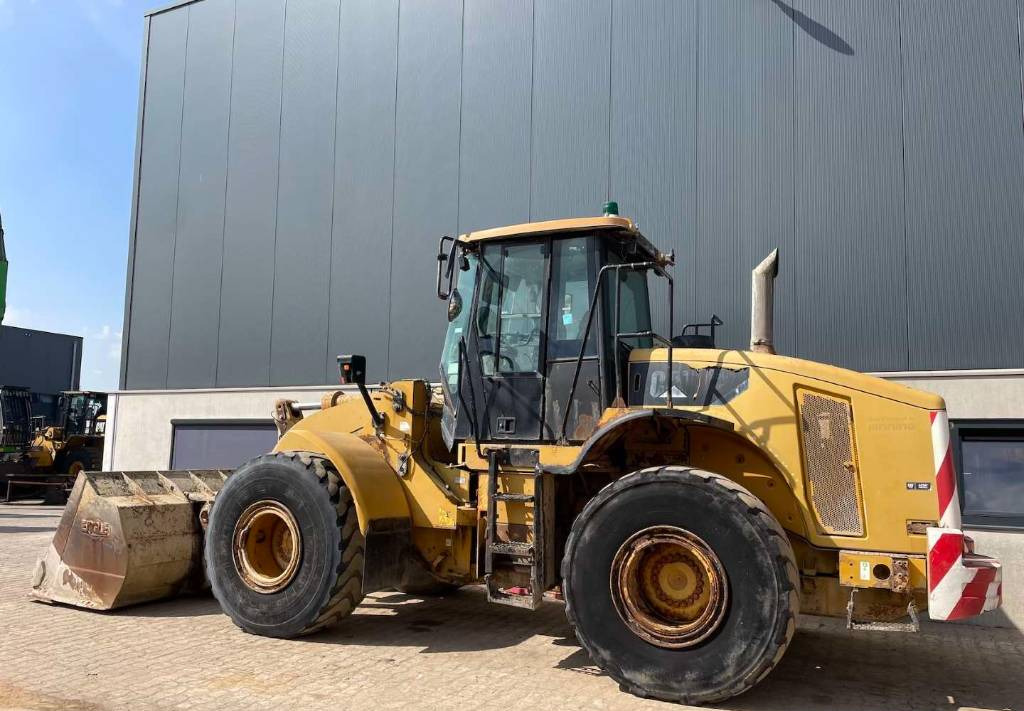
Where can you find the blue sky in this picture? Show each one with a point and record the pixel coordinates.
(69, 82)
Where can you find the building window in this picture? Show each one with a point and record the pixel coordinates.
(219, 444)
(989, 455)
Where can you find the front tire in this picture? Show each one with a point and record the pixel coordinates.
(284, 554)
(681, 585)
(76, 462)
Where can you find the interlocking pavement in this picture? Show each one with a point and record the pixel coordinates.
(401, 652)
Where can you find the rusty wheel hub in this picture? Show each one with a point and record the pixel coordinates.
(669, 587)
(267, 546)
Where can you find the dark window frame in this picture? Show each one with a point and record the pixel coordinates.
(995, 429)
(502, 246)
(226, 422)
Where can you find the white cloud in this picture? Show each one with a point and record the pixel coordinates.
(16, 316)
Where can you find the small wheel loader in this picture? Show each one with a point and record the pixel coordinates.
(685, 501)
(35, 454)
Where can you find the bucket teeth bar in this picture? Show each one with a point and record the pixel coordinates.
(128, 537)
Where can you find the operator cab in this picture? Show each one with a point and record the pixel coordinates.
(526, 358)
(82, 413)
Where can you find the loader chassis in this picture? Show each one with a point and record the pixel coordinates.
(686, 501)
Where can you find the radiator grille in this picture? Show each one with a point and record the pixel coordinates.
(830, 463)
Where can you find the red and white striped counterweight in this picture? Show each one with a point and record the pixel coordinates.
(961, 583)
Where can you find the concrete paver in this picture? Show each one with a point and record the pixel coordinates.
(402, 652)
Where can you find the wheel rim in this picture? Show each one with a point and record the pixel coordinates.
(267, 546)
(669, 587)
(76, 468)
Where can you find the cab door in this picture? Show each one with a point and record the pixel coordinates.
(509, 322)
(571, 414)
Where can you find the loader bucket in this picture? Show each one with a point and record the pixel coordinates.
(128, 537)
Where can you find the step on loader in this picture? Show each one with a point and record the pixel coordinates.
(686, 501)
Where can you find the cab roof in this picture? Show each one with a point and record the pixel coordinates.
(615, 226)
(572, 224)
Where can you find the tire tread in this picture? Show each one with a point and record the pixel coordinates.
(346, 591)
(760, 516)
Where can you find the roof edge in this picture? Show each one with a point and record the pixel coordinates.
(169, 6)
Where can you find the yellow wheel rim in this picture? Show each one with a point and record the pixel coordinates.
(267, 546)
(669, 587)
(76, 468)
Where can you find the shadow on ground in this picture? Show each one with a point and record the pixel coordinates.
(827, 668)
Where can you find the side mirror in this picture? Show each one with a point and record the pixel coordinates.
(352, 369)
(353, 372)
(445, 267)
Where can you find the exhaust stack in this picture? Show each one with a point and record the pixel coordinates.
(762, 304)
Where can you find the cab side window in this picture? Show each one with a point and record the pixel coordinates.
(572, 288)
(509, 318)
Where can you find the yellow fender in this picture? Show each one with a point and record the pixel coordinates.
(374, 485)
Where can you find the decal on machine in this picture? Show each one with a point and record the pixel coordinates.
(95, 528)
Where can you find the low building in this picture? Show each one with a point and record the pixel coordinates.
(45, 363)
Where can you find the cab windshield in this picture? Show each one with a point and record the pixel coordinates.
(459, 309)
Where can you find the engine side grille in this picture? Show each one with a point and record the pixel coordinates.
(830, 463)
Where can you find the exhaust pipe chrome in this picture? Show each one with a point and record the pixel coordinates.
(762, 304)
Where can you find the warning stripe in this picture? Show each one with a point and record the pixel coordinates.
(959, 584)
(943, 554)
(976, 595)
(967, 607)
(945, 475)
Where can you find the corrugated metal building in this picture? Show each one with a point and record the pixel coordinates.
(45, 363)
(298, 159)
(40, 361)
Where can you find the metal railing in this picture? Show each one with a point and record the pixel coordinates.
(658, 269)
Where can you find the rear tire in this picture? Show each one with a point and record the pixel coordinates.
(745, 635)
(324, 581)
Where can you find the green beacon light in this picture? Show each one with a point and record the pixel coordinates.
(611, 209)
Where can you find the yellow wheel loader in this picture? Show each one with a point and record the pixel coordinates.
(74, 443)
(685, 501)
(35, 455)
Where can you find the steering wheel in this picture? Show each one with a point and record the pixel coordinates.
(501, 359)
(521, 339)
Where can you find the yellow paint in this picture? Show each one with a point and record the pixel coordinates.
(857, 569)
(383, 493)
(892, 434)
(373, 483)
(549, 226)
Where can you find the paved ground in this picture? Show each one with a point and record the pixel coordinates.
(399, 652)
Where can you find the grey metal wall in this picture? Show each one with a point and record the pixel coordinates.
(46, 363)
(298, 160)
